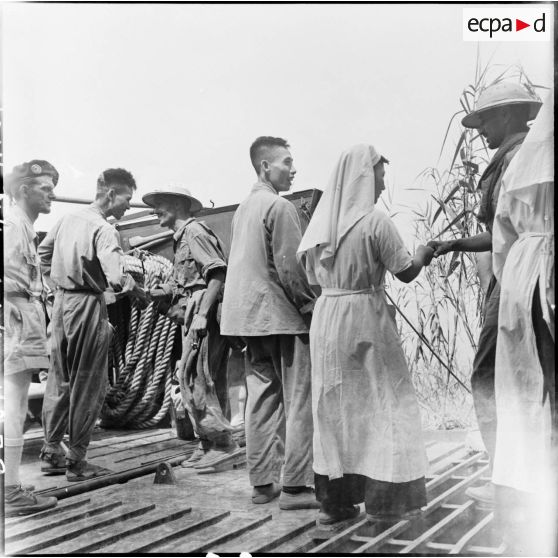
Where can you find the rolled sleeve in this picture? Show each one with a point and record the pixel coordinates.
(206, 254)
(284, 224)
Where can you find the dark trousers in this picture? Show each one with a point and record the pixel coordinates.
(482, 378)
(278, 419)
(382, 499)
(77, 379)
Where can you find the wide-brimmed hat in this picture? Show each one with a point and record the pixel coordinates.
(498, 95)
(175, 191)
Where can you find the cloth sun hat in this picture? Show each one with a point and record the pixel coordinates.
(32, 169)
(501, 94)
(348, 197)
(173, 191)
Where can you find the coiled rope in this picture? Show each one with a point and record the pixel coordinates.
(141, 394)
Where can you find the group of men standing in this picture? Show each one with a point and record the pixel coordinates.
(260, 299)
(266, 307)
(263, 305)
(78, 260)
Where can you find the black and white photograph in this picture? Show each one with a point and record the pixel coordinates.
(278, 279)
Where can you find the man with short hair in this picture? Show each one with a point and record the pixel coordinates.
(30, 188)
(81, 257)
(268, 303)
(193, 293)
(501, 116)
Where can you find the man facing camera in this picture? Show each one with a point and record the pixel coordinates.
(30, 188)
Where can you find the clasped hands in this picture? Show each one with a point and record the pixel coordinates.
(433, 249)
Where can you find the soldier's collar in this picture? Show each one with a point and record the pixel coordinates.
(179, 232)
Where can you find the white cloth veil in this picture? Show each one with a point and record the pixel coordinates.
(349, 196)
(534, 162)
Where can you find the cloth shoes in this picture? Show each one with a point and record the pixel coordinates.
(81, 470)
(52, 463)
(19, 501)
(215, 455)
(198, 453)
(265, 493)
(303, 500)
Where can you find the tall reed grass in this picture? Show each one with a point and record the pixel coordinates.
(445, 302)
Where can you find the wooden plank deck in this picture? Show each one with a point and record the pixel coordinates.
(202, 513)
(116, 450)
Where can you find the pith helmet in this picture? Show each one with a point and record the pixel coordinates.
(498, 95)
(175, 191)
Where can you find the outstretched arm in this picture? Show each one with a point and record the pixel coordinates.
(422, 258)
(479, 243)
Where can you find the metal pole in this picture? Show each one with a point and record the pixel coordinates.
(65, 199)
(118, 477)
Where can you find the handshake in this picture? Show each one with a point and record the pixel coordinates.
(433, 249)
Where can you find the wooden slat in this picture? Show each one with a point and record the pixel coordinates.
(113, 533)
(340, 537)
(25, 531)
(438, 528)
(153, 539)
(480, 550)
(444, 453)
(285, 526)
(439, 479)
(456, 488)
(433, 505)
(168, 456)
(467, 537)
(234, 526)
(127, 448)
(75, 529)
(149, 450)
(60, 508)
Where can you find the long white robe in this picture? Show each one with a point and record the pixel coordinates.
(523, 256)
(365, 411)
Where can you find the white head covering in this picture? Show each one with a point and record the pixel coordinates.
(534, 162)
(349, 196)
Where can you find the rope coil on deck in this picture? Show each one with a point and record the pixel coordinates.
(141, 394)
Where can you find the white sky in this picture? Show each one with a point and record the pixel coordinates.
(177, 93)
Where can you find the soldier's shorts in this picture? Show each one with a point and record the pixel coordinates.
(25, 345)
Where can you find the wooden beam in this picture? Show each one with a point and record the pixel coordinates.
(437, 528)
(466, 538)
